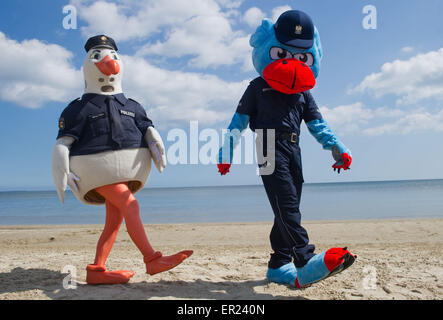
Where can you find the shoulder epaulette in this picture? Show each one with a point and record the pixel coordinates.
(133, 100)
(74, 101)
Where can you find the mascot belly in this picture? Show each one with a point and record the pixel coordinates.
(129, 165)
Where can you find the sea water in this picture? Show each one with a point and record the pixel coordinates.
(320, 201)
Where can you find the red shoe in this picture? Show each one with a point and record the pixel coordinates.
(158, 263)
(98, 275)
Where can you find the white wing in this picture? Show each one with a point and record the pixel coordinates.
(156, 147)
(60, 165)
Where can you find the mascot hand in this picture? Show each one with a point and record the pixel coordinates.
(343, 159)
(224, 159)
(223, 168)
(344, 163)
(157, 148)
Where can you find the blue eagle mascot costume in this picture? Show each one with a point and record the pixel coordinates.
(287, 56)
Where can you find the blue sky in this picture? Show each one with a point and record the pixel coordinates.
(381, 90)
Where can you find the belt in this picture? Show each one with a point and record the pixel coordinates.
(286, 135)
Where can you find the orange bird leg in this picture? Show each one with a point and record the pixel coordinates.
(113, 222)
(96, 273)
(122, 198)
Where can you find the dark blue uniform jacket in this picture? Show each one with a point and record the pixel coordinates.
(101, 123)
(270, 109)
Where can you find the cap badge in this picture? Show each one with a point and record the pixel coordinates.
(298, 29)
(103, 38)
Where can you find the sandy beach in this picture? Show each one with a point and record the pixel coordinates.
(397, 259)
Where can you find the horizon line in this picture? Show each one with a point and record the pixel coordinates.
(50, 189)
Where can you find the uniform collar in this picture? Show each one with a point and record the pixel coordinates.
(100, 99)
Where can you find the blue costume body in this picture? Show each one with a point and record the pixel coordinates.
(264, 106)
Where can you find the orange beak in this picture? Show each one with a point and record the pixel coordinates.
(108, 66)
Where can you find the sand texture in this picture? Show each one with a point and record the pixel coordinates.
(397, 259)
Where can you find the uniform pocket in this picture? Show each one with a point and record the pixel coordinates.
(129, 125)
(297, 164)
(99, 124)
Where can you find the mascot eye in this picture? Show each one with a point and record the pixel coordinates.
(114, 55)
(305, 57)
(95, 55)
(279, 53)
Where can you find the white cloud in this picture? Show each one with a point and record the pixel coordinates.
(412, 80)
(130, 19)
(230, 4)
(389, 113)
(209, 40)
(407, 49)
(277, 11)
(347, 118)
(172, 97)
(253, 17)
(33, 72)
(415, 121)
(356, 118)
(200, 30)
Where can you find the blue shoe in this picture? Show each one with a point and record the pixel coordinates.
(286, 274)
(324, 265)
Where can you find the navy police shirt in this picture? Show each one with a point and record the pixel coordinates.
(101, 123)
(270, 109)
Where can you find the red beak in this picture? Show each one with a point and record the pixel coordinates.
(289, 76)
(108, 66)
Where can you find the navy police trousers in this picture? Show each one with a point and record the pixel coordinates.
(289, 240)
